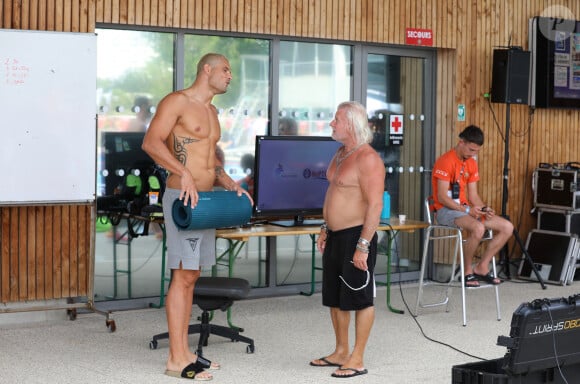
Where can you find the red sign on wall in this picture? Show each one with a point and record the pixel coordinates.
(396, 130)
(416, 36)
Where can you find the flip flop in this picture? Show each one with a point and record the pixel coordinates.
(204, 363)
(489, 278)
(190, 372)
(471, 281)
(326, 363)
(355, 372)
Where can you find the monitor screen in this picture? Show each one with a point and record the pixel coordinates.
(290, 177)
(555, 69)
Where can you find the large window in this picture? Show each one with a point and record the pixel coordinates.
(135, 70)
(313, 79)
(279, 87)
(243, 109)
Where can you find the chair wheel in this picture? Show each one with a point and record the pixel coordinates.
(153, 344)
(111, 325)
(250, 348)
(72, 314)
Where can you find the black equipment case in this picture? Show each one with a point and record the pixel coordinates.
(544, 340)
(559, 220)
(556, 188)
(555, 255)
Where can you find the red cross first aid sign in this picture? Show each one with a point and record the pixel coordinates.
(396, 130)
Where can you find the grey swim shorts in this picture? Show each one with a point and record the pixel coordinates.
(194, 249)
(446, 216)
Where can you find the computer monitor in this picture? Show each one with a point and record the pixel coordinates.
(290, 178)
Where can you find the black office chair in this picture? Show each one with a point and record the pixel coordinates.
(210, 294)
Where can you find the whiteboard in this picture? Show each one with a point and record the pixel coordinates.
(47, 117)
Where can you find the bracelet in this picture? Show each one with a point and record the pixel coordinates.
(364, 242)
(362, 249)
(324, 228)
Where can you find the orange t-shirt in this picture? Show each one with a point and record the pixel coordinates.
(449, 167)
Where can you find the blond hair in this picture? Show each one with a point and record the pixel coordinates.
(356, 114)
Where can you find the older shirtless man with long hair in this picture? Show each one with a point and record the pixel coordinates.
(348, 239)
(182, 137)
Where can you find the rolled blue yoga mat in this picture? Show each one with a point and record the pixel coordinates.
(215, 209)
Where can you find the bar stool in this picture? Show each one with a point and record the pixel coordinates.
(436, 233)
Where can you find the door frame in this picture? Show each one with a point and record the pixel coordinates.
(360, 79)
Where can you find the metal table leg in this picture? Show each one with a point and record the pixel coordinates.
(314, 268)
(390, 238)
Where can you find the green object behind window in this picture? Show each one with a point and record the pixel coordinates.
(154, 183)
(134, 182)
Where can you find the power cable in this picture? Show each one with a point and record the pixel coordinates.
(414, 316)
(554, 345)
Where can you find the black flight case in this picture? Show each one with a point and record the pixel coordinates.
(543, 347)
(556, 188)
(555, 255)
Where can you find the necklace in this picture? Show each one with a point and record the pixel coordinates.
(340, 158)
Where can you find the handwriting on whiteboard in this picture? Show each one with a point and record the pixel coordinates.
(15, 72)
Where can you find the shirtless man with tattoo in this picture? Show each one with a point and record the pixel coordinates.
(182, 137)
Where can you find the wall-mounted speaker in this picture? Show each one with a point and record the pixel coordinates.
(510, 76)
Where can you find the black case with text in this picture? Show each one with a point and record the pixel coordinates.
(544, 340)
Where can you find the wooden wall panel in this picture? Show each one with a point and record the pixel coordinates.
(412, 84)
(465, 34)
(45, 252)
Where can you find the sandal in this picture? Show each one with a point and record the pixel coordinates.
(489, 278)
(191, 372)
(325, 363)
(471, 281)
(203, 363)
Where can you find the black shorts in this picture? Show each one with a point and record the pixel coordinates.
(336, 262)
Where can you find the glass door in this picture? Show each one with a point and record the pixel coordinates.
(398, 89)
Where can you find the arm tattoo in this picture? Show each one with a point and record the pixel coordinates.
(219, 171)
(179, 144)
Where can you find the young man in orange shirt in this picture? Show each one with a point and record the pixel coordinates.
(457, 203)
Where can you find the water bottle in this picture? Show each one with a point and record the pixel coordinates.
(386, 212)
